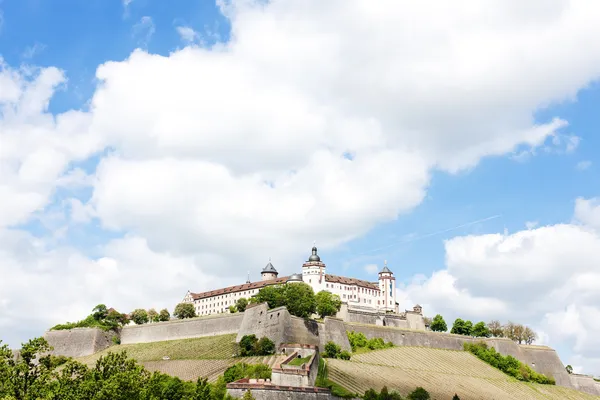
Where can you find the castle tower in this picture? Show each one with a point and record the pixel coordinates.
(387, 286)
(269, 272)
(313, 271)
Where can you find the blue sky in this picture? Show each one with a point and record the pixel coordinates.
(138, 206)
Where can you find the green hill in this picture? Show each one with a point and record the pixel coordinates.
(441, 372)
(188, 359)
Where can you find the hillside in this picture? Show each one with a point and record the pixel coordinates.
(442, 373)
(188, 359)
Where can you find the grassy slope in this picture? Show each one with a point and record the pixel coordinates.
(188, 358)
(441, 372)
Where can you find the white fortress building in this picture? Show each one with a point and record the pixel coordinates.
(357, 294)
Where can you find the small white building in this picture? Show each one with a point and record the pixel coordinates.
(356, 293)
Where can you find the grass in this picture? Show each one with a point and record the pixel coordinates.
(441, 372)
(204, 348)
(299, 361)
(324, 382)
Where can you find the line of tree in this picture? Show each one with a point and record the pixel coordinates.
(516, 332)
(417, 394)
(299, 299)
(101, 317)
(140, 316)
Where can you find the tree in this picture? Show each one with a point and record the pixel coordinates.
(232, 309)
(438, 324)
(419, 394)
(300, 300)
(480, 330)
(202, 390)
(529, 336)
(273, 295)
(115, 319)
(99, 312)
(139, 316)
(509, 330)
(569, 369)
(495, 328)
(241, 304)
(184, 310)
(332, 350)
(265, 347)
(461, 327)
(152, 315)
(248, 345)
(327, 303)
(248, 395)
(455, 397)
(519, 333)
(164, 315)
(30, 375)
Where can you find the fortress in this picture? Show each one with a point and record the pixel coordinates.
(367, 307)
(362, 301)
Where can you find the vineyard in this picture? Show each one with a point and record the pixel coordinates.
(188, 359)
(441, 372)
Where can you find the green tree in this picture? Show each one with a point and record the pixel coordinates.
(569, 369)
(248, 345)
(232, 309)
(438, 324)
(30, 375)
(184, 310)
(300, 300)
(164, 315)
(265, 347)
(273, 295)
(480, 330)
(152, 315)
(327, 303)
(248, 395)
(202, 391)
(332, 350)
(115, 319)
(419, 394)
(461, 327)
(529, 336)
(100, 312)
(241, 304)
(139, 316)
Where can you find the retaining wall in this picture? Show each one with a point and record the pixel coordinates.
(585, 383)
(334, 330)
(182, 329)
(262, 391)
(79, 342)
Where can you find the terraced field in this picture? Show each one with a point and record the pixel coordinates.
(442, 373)
(189, 359)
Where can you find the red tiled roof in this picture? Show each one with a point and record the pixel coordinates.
(351, 281)
(239, 288)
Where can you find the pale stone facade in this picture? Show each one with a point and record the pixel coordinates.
(379, 296)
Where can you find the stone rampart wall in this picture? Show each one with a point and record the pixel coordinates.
(275, 392)
(182, 329)
(334, 330)
(260, 321)
(585, 384)
(79, 342)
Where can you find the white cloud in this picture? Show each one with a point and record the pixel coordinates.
(548, 278)
(587, 211)
(222, 157)
(187, 34)
(531, 224)
(583, 165)
(144, 30)
(31, 51)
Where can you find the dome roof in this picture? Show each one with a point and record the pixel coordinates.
(269, 268)
(314, 256)
(295, 278)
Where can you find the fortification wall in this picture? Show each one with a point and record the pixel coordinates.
(585, 384)
(262, 391)
(303, 331)
(78, 342)
(182, 329)
(260, 321)
(333, 329)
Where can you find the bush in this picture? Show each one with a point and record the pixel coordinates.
(251, 346)
(357, 339)
(384, 395)
(345, 355)
(507, 364)
(116, 340)
(243, 370)
(332, 350)
(99, 318)
(419, 394)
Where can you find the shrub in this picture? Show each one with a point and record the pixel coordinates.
(345, 355)
(332, 350)
(247, 345)
(419, 394)
(357, 339)
(243, 370)
(265, 347)
(116, 340)
(376, 343)
(507, 364)
(251, 346)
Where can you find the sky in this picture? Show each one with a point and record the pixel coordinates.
(148, 148)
